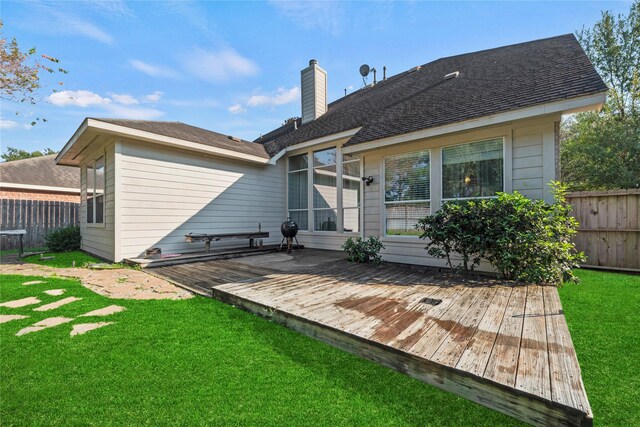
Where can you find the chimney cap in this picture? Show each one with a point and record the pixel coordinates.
(313, 62)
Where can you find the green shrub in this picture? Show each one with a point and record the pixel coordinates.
(455, 228)
(364, 251)
(64, 239)
(523, 239)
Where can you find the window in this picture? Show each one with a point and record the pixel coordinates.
(351, 184)
(95, 191)
(473, 170)
(325, 191)
(298, 190)
(407, 192)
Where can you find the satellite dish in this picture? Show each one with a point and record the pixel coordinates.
(364, 70)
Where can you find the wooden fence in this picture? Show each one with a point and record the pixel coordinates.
(37, 217)
(609, 232)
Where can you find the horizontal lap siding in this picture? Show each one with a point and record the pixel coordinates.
(99, 240)
(527, 176)
(165, 194)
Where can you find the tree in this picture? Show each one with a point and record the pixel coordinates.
(601, 150)
(613, 46)
(11, 154)
(20, 72)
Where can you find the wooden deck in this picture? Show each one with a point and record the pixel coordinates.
(504, 347)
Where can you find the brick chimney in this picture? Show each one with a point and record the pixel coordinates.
(314, 91)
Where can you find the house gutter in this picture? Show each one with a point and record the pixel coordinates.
(575, 105)
(140, 135)
(317, 141)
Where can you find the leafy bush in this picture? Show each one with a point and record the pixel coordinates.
(456, 228)
(64, 239)
(364, 251)
(525, 240)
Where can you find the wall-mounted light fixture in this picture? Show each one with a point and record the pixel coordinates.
(367, 180)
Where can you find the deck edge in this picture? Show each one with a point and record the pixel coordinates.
(515, 403)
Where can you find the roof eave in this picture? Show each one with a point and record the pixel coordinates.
(123, 131)
(567, 106)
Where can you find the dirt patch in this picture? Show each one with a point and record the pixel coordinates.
(115, 283)
(21, 302)
(56, 304)
(4, 318)
(104, 311)
(83, 328)
(44, 324)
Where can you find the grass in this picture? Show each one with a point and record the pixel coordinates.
(63, 259)
(15, 251)
(197, 362)
(604, 319)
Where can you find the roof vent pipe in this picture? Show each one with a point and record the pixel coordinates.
(452, 75)
(314, 91)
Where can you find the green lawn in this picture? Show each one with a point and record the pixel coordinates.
(197, 362)
(63, 259)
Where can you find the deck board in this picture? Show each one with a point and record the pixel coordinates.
(504, 346)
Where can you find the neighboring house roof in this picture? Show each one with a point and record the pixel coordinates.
(489, 82)
(39, 173)
(187, 132)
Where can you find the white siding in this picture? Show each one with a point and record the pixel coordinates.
(528, 143)
(165, 194)
(98, 239)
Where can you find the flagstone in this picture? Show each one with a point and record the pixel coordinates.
(106, 311)
(4, 318)
(55, 292)
(57, 304)
(44, 324)
(33, 282)
(83, 328)
(21, 302)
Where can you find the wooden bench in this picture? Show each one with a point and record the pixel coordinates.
(207, 238)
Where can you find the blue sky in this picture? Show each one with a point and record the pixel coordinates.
(234, 67)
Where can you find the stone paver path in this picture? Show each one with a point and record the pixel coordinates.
(104, 311)
(21, 302)
(4, 318)
(44, 324)
(33, 282)
(55, 292)
(114, 283)
(83, 328)
(56, 304)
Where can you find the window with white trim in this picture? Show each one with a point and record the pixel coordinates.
(325, 190)
(407, 192)
(473, 170)
(351, 193)
(95, 191)
(298, 190)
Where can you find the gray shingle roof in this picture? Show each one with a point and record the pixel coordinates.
(193, 134)
(490, 82)
(39, 171)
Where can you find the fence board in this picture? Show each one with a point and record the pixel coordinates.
(37, 217)
(609, 232)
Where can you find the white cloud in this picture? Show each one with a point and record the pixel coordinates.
(8, 124)
(153, 97)
(110, 7)
(79, 98)
(124, 99)
(311, 15)
(281, 97)
(237, 109)
(122, 106)
(219, 66)
(75, 25)
(153, 70)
